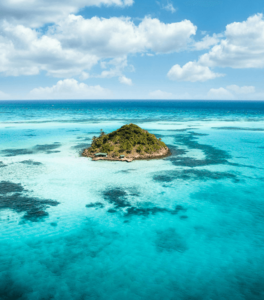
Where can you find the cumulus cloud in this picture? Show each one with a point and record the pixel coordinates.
(39, 12)
(220, 94)
(234, 92)
(115, 68)
(69, 89)
(169, 7)
(84, 75)
(24, 52)
(125, 80)
(158, 94)
(208, 41)
(241, 90)
(193, 72)
(242, 46)
(119, 36)
(74, 45)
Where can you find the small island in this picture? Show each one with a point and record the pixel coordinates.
(128, 143)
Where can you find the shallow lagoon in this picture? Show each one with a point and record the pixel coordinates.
(186, 227)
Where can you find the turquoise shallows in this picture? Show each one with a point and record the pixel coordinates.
(190, 226)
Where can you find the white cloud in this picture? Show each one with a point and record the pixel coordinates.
(207, 42)
(234, 92)
(242, 47)
(125, 80)
(169, 7)
(84, 76)
(241, 90)
(193, 72)
(70, 89)
(220, 94)
(74, 45)
(115, 67)
(120, 36)
(24, 52)
(160, 95)
(39, 12)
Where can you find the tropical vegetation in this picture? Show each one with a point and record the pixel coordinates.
(128, 139)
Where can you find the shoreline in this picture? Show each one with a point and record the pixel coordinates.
(129, 159)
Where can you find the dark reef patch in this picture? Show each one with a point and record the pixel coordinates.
(126, 171)
(50, 152)
(47, 149)
(243, 166)
(198, 134)
(194, 174)
(179, 208)
(11, 197)
(163, 178)
(30, 135)
(119, 199)
(137, 211)
(72, 130)
(83, 138)
(80, 146)
(16, 152)
(86, 139)
(213, 156)
(239, 128)
(141, 211)
(7, 187)
(10, 289)
(95, 205)
(31, 162)
(2, 165)
(176, 151)
(169, 240)
(174, 130)
(160, 136)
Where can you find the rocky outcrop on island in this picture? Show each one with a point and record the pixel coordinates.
(128, 143)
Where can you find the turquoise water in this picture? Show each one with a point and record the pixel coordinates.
(186, 227)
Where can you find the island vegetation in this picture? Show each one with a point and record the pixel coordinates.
(127, 143)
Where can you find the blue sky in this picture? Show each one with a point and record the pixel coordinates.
(125, 49)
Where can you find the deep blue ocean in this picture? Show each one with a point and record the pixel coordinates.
(187, 227)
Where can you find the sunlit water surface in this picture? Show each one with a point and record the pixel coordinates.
(190, 226)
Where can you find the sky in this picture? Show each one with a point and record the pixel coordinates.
(132, 49)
